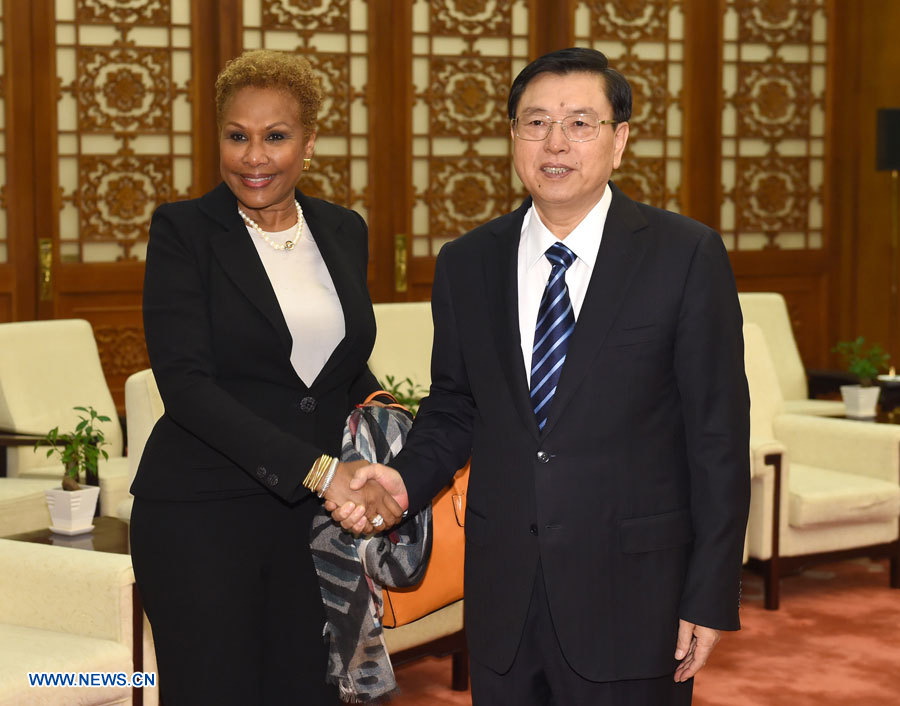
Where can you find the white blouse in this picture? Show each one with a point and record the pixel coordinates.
(307, 297)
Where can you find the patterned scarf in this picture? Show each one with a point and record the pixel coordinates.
(352, 571)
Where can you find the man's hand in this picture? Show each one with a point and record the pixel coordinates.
(372, 480)
(363, 499)
(694, 645)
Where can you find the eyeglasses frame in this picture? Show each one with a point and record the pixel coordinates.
(514, 123)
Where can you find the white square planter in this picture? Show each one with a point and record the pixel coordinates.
(860, 401)
(72, 511)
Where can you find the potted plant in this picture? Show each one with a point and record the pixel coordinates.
(72, 506)
(865, 362)
(406, 392)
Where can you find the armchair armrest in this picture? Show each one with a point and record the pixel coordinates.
(760, 449)
(769, 476)
(66, 590)
(863, 448)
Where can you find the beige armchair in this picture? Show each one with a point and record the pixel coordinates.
(46, 369)
(65, 610)
(143, 406)
(768, 310)
(822, 489)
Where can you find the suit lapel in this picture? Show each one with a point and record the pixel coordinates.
(618, 259)
(501, 278)
(239, 259)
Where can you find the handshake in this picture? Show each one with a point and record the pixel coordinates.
(366, 497)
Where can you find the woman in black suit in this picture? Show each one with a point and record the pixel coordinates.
(258, 326)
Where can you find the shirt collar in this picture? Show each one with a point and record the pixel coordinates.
(584, 240)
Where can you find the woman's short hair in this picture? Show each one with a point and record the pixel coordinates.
(264, 68)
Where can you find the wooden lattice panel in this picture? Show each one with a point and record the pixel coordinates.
(123, 122)
(644, 41)
(465, 56)
(333, 35)
(773, 124)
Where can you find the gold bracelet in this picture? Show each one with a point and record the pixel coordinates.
(317, 472)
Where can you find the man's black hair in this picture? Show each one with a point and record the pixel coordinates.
(576, 60)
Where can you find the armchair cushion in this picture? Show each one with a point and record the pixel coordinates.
(766, 402)
(768, 310)
(820, 496)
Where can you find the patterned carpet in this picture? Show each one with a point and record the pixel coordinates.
(835, 641)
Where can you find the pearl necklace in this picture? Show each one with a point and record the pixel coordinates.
(287, 244)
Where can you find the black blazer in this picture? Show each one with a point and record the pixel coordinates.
(238, 419)
(634, 498)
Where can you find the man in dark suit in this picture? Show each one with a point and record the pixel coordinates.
(588, 355)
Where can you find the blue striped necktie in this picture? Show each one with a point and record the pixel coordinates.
(555, 323)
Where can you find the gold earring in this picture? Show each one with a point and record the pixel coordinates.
(306, 164)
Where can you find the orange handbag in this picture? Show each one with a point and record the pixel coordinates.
(443, 580)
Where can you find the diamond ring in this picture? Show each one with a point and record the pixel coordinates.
(377, 521)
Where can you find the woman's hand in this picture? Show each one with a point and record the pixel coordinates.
(372, 480)
(355, 501)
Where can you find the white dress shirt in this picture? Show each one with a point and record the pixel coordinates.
(534, 268)
(307, 297)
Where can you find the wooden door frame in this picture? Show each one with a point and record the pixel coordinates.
(18, 276)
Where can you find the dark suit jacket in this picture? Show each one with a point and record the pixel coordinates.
(634, 498)
(238, 419)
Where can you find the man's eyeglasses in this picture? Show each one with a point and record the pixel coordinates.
(582, 127)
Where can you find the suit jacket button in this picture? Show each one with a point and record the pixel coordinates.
(307, 404)
(261, 472)
(533, 529)
(543, 456)
(272, 479)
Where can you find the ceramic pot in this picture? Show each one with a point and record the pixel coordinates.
(72, 511)
(860, 401)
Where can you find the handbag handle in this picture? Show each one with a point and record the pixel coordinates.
(458, 495)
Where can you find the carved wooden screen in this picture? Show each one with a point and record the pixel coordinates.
(119, 117)
(123, 122)
(773, 124)
(333, 35)
(464, 57)
(645, 42)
